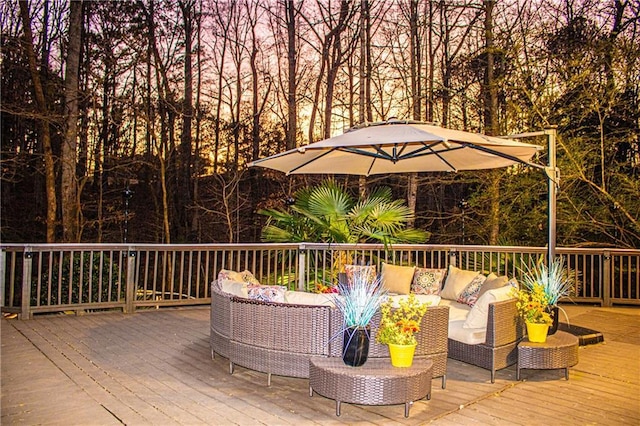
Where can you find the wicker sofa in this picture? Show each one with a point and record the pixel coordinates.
(279, 338)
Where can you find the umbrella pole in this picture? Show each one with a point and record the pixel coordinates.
(553, 178)
(553, 182)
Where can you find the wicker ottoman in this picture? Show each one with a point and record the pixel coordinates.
(375, 383)
(559, 351)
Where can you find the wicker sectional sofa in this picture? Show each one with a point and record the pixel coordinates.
(279, 338)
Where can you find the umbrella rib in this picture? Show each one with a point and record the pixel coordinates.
(503, 155)
(311, 160)
(429, 148)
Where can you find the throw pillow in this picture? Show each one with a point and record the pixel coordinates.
(470, 293)
(350, 270)
(397, 279)
(245, 276)
(479, 314)
(226, 274)
(427, 281)
(493, 281)
(267, 293)
(248, 277)
(457, 280)
(235, 288)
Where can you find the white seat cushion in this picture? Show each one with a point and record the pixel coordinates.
(470, 336)
(306, 298)
(457, 311)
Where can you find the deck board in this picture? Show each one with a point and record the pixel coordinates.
(155, 367)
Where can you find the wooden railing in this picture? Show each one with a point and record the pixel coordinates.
(41, 278)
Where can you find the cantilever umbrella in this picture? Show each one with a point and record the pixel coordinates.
(396, 146)
(401, 147)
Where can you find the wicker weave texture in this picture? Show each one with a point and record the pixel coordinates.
(220, 321)
(504, 331)
(559, 351)
(375, 383)
(279, 338)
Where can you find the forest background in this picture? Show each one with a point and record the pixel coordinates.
(135, 120)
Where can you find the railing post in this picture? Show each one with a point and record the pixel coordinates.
(130, 290)
(453, 257)
(27, 262)
(3, 271)
(302, 267)
(606, 279)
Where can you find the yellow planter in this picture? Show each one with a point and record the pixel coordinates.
(402, 355)
(537, 332)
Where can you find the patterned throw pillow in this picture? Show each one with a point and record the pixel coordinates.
(427, 281)
(470, 293)
(248, 277)
(350, 270)
(244, 277)
(226, 274)
(267, 293)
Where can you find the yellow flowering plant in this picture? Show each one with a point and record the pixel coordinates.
(532, 303)
(399, 325)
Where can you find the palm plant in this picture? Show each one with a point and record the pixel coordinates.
(327, 213)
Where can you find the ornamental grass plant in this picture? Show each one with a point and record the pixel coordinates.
(359, 299)
(555, 280)
(398, 326)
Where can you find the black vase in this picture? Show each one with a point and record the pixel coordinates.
(554, 311)
(355, 349)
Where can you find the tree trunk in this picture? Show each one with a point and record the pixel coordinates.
(70, 201)
(292, 109)
(183, 195)
(49, 166)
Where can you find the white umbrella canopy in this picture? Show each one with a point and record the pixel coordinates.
(400, 147)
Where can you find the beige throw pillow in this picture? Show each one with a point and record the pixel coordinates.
(493, 281)
(397, 279)
(479, 314)
(457, 280)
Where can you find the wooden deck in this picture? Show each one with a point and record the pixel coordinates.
(155, 367)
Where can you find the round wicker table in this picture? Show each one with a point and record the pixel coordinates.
(374, 383)
(559, 351)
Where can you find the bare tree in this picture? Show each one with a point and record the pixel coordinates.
(50, 177)
(70, 200)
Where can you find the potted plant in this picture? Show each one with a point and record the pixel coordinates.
(555, 281)
(358, 300)
(398, 327)
(532, 302)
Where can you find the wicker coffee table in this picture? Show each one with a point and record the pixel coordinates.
(559, 351)
(374, 383)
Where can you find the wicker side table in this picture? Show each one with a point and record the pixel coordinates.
(559, 351)
(374, 383)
